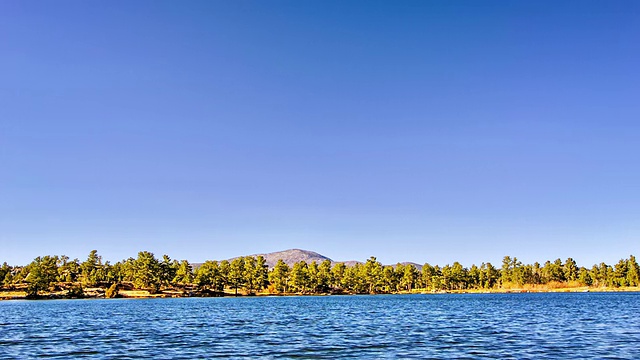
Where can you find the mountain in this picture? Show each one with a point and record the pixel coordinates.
(292, 256)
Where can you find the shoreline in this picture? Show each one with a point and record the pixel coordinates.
(96, 293)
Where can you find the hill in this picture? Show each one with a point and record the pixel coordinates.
(292, 256)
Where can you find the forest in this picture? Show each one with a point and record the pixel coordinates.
(250, 275)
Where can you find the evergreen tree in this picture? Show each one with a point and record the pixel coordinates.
(208, 276)
(457, 276)
(279, 276)
(372, 274)
(337, 275)
(554, 271)
(506, 273)
(90, 269)
(5, 274)
(353, 279)
(184, 273)
(325, 276)
(225, 270)
(409, 277)
(475, 277)
(491, 276)
(146, 271)
(633, 271)
(168, 270)
(536, 273)
(570, 270)
(584, 277)
(42, 273)
(428, 274)
(236, 274)
(389, 278)
(620, 273)
(594, 274)
(8, 279)
(314, 278)
(249, 274)
(252, 274)
(300, 277)
(261, 275)
(68, 271)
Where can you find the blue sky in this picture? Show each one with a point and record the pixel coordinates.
(426, 131)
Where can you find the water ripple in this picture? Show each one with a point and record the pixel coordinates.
(466, 326)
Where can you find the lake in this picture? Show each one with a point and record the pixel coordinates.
(443, 326)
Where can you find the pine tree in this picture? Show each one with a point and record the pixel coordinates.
(279, 276)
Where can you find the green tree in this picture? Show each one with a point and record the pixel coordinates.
(325, 276)
(475, 277)
(300, 277)
(620, 273)
(236, 274)
(261, 275)
(389, 278)
(225, 270)
(409, 276)
(584, 277)
(438, 281)
(352, 279)
(454, 277)
(633, 271)
(168, 270)
(125, 270)
(314, 278)
(90, 269)
(512, 271)
(337, 275)
(553, 271)
(6, 275)
(279, 276)
(4, 270)
(68, 271)
(594, 275)
(108, 273)
(518, 276)
(42, 273)
(146, 271)
(184, 273)
(209, 276)
(606, 275)
(506, 274)
(250, 274)
(557, 271)
(536, 273)
(372, 274)
(570, 270)
(491, 275)
(428, 274)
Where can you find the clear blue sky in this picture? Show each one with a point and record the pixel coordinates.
(426, 131)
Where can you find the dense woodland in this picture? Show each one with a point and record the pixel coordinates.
(250, 275)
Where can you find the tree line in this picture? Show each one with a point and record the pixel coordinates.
(251, 274)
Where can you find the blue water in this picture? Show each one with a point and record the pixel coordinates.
(473, 326)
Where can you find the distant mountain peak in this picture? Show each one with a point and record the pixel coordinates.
(292, 256)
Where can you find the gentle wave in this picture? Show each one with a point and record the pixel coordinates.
(446, 326)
